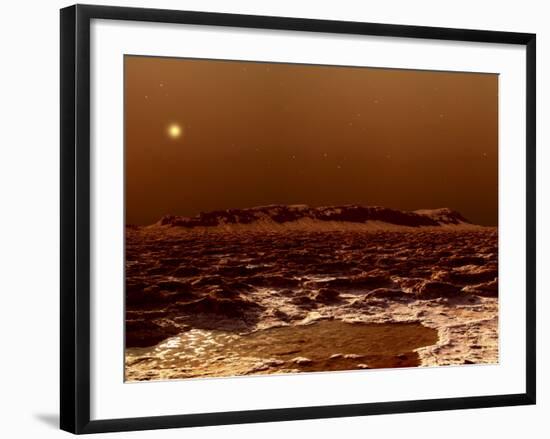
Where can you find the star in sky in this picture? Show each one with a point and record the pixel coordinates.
(174, 130)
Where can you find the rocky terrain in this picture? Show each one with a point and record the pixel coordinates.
(291, 288)
(301, 215)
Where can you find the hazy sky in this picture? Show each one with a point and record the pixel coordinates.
(203, 135)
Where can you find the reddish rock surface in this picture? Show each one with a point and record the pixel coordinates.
(196, 274)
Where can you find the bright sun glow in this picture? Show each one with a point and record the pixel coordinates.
(174, 130)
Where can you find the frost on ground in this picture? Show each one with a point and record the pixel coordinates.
(217, 302)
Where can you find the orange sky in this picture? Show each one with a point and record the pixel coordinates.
(263, 133)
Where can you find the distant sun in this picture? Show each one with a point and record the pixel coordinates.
(174, 131)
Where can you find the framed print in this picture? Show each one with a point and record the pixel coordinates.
(268, 218)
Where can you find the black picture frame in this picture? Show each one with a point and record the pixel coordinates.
(75, 218)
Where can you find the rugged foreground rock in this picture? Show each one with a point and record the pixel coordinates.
(212, 301)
